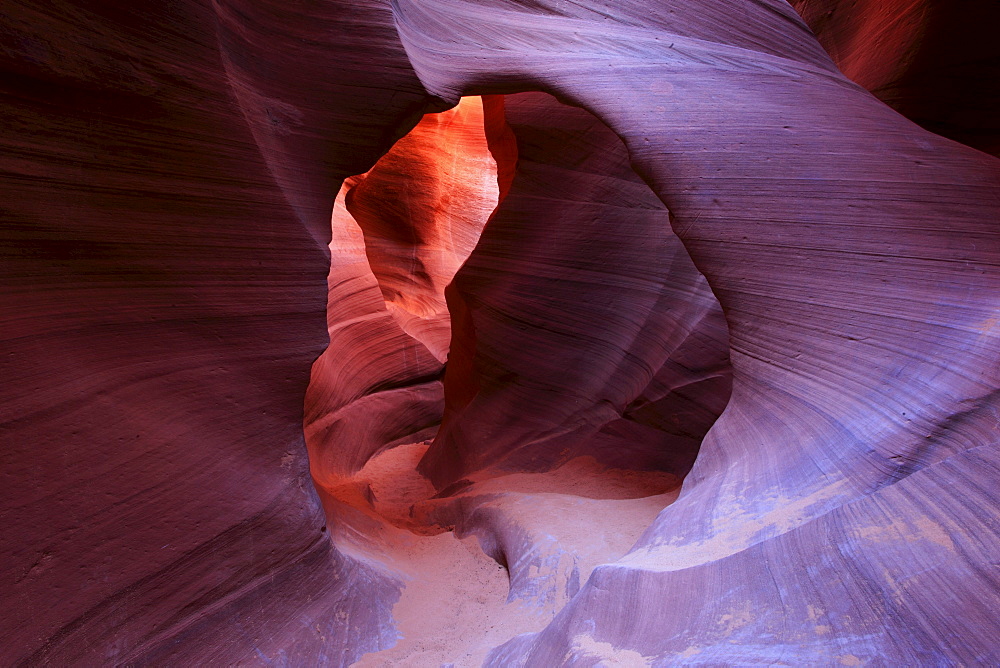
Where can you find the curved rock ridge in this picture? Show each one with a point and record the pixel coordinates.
(167, 176)
(856, 258)
(374, 383)
(399, 233)
(168, 173)
(422, 208)
(934, 62)
(581, 325)
(559, 165)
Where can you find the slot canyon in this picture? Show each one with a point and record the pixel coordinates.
(500, 333)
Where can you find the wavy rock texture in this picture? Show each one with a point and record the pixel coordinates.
(421, 211)
(934, 62)
(595, 326)
(168, 177)
(168, 171)
(582, 327)
(855, 256)
(398, 237)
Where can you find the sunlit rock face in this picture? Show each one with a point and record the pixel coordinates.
(581, 325)
(576, 295)
(855, 258)
(399, 234)
(169, 173)
(421, 210)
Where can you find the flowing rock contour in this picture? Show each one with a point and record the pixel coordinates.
(855, 256)
(169, 171)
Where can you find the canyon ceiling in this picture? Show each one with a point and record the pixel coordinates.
(499, 332)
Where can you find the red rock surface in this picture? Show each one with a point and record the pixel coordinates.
(421, 210)
(168, 177)
(582, 327)
(546, 336)
(934, 62)
(398, 238)
(855, 256)
(168, 171)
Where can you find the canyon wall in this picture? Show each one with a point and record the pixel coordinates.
(168, 174)
(710, 201)
(581, 325)
(934, 62)
(859, 288)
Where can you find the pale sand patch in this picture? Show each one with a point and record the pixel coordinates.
(453, 610)
(453, 606)
(606, 655)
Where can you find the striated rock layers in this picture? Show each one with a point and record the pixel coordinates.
(932, 61)
(709, 243)
(588, 358)
(580, 323)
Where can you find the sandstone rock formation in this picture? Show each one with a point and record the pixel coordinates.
(581, 325)
(587, 361)
(709, 199)
(932, 61)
